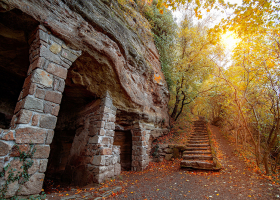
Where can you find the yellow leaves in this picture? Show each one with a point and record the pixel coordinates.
(157, 78)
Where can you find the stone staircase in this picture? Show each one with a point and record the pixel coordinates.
(198, 152)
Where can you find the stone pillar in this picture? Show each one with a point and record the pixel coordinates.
(140, 141)
(37, 108)
(93, 157)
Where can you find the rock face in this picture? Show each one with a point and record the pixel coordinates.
(98, 55)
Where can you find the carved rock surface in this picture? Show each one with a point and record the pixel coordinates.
(118, 52)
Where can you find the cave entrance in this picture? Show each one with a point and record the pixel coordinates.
(15, 28)
(75, 99)
(124, 140)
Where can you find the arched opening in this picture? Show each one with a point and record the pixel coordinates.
(15, 28)
(75, 99)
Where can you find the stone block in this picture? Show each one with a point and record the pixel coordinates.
(42, 151)
(46, 53)
(47, 121)
(98, 160)
(38, 63)
(12, 189)
(59, 84)
(167, 150)
(34, 104)
(135, 163)
(53, 96)
(9, 136)
(34, 185)
(56, 40)
(43, 165)
(106, 151)
(21, 147)
(34, 168)
(55, 110)
(98, 169)
(57, 70)
(110, 125)
(115, 160)
(110, 174)
(106, 141)
(67, 63)
(35, 119)
(168, 156)
(68, 55)
(30, 135)
(94, 140)
(29, 89)
(96, 131)
(51, 108)
(50, 134)
(99, 124)
(42, 77)
(110, 133)
(43, 35)
(107, 102)
(111, 118)
(24, 117)
(4, 148)
(40, 93)
(16, 166)
(55, 48)
(116, 149)
(1, 164)
(77, 53)
(99, 178)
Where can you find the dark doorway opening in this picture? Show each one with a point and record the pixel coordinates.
(124, 140)
(15, 28)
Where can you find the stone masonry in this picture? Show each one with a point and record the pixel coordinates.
(140, 141)
(37, 108)
(93, 157)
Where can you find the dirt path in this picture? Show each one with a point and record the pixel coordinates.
(166, 180)
(232, 182)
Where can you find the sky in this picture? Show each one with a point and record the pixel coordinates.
(229, 39)
(178, 14)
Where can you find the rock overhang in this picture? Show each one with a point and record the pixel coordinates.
(113, 36)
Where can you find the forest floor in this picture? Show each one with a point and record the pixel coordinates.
(166, 180)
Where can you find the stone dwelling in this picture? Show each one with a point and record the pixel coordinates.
(81, 80)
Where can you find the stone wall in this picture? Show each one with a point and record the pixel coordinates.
(37, 108)
(93, 157)
(166, 151)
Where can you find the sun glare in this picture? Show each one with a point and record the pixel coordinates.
(230, 40)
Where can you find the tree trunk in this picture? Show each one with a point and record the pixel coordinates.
(265, 161)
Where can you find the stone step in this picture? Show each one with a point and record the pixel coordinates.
(198, 145)
(199, 123)
(197, 152)
(197, 157)
(197, 164)
(200, 131)
(197, 148)
(199, 137)
(197, 141)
